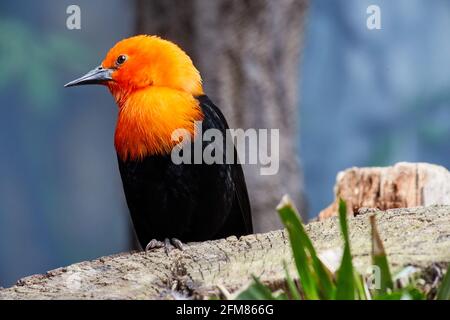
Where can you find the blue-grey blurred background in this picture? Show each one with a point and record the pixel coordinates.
(366, 98)
(373, 97)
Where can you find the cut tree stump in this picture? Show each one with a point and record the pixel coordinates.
(418, 237)
(404, 185)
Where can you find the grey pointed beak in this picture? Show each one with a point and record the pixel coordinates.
(99, 75)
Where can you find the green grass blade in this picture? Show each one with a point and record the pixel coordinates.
(291, 222)
(293, 290)
(414, 294)
(281, 296)
(323, 277)
(343, 221)
(390, 296)
(302, 263)
(379, 259)
(359, 286)
(345, 282)
(345, 275)
(409, 293)
(256, 291)
(444, 288)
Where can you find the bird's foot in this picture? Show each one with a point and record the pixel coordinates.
(172, 243)
(154, 244)
(167, 244)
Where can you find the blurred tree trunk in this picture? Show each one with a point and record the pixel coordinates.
(248, 53)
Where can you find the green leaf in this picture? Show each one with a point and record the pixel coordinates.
(444, 288)
(256, 291)
(293, 290)
(360, 287)
(379, 259)
(291, 222)
(389, 296)
(413, 293)
(345, 275)
(408, 293)
(281, 296)
(322, 276)
(303, 264)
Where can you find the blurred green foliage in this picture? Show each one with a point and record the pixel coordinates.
(316, 281)
(35, 61)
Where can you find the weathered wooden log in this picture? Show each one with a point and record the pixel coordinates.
(419, 237)
(404, 185)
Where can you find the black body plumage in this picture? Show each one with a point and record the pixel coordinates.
(190, 202)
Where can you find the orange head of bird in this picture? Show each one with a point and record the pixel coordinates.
(154, 83)
(141, 62)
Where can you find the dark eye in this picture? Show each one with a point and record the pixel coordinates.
(121, 59)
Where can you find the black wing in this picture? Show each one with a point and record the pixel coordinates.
(241, 210)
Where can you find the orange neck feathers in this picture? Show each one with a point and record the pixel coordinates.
(148, 118)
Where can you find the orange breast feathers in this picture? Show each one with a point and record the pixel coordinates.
(147, 119)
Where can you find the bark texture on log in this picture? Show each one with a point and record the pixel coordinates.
(248, 53)
(418, 237)
(403, 185)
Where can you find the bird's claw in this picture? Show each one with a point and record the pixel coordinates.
(177, 244)
(154, 244)
(172, 243)
(168, 245)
